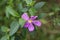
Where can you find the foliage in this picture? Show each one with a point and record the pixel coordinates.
(12, 25)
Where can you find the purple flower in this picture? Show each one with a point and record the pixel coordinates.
(30, 21)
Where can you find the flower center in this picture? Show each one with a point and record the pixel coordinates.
(29, 21)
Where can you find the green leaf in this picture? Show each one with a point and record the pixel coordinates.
(43, 21)
(14, 26)
(13, 38)
(6, 37)
(24, 10)
(20, 6)
(23, 33)
(28, 1)
(58, 38)
(50, 14)
(4, 29)
(10, 2)
(42, 15)
(9, 10)
(32, 3)
(7, 14)
(21, 22)
(52, 37)
(39, 5)
(32, 11)
(56, 8)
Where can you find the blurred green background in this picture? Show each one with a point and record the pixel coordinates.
(11, 23)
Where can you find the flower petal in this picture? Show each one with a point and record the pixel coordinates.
(37, 22)
(31, 27)
(25, 16)
(26, 24)
(33, 17)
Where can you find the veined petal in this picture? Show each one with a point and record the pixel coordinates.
(26, 24)
(31, 27)
(25, 16)
(33, 17)
(37, 22)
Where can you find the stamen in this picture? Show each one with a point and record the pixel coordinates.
(29, 21)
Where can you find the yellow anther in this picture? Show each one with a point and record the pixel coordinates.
(29, 21)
